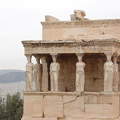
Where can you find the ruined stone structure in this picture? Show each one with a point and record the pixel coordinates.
(77, 70)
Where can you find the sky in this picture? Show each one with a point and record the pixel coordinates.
(20, 20)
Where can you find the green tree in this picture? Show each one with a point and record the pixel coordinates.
(11, 108)
(2, 107)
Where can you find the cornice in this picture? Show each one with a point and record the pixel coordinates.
(83, 42)
(70, 93)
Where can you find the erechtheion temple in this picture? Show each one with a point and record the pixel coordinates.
(77, 70)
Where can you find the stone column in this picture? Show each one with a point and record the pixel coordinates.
(116, 74)
(38, 74)
(29, 74)
(108, 74)
(44, 75)
(80, 74)
(54, 73)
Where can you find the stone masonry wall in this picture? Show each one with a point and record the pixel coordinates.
(91, 29)
(67, 72)
(94, 72)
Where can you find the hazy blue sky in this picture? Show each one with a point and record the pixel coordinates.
(20, 20)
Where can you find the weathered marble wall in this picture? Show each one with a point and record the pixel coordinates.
(67, 72)
(69, 106)
(91, 29)
(94, 72)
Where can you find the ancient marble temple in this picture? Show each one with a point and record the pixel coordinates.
(77, 70)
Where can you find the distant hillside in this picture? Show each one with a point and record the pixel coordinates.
(7, 71)
(11, 76)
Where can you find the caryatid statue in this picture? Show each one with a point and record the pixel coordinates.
(108, 74)
(29, 74)
(116, 74)
(38, 74)
(80, 75)
(45, 83)
(54, 73)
